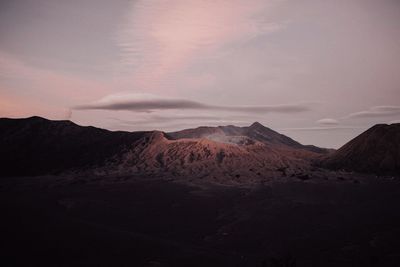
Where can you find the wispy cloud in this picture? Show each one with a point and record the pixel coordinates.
(159, 38)
(371, 113)
(376, 112)
(332, 128)
(150, 103)
(175, 122)
(157, 119)
(328, 121)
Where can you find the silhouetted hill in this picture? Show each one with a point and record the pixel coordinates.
(377, 150)
(35, 145)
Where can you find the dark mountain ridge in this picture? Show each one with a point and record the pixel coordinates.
(376, 150)
(34, 146)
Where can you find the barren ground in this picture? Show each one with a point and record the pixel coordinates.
(134, 221)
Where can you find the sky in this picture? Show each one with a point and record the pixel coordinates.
(319, 71)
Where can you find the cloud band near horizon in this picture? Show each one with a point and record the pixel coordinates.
(150, 103)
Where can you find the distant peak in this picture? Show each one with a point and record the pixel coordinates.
(256, 124)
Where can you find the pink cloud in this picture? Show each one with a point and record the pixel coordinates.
(160, 38)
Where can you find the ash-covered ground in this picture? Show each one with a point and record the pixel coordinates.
(335, 220)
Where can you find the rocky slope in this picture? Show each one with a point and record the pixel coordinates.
(240, 135)
(377, 150)
(157, 153)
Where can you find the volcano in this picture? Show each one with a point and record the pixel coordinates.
(243, 135)
(377, 150)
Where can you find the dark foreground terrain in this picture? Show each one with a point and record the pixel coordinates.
(210, 196)
(131, 221)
